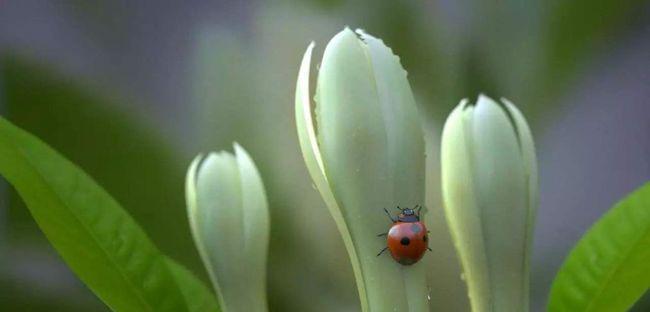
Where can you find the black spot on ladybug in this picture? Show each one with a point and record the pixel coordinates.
(415, 228)
(405, 241)
(425, 238)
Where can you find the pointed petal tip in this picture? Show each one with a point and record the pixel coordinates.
(193, 168)
(306, 58)
(512, 108)
(454, 117)
(463, 102)
(482, 98)
(190, 184)
(347, 31)
(238, 150)
(198, 157)
(241, 153)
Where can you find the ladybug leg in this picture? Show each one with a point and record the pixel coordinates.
(389, 216)
(382, 234)
(419, 209)
(429, 248)
(382, 251)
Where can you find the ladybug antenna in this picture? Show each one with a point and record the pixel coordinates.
(389, 215)
(400, 209)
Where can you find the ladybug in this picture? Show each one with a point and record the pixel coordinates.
(407, 239)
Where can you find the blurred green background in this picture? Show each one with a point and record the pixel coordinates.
(131, 91)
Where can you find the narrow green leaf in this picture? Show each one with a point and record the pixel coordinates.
(197, 296)
(609, 269)
(99, 241)
(117, 148)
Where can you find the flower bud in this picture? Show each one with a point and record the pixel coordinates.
(367, 154)
(229, 218)
(489, 177)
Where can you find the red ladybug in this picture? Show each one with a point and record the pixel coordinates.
(407, 239)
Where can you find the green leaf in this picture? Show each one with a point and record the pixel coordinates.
(118, 149)
(609, 269)
(197, 296)
(99, 241)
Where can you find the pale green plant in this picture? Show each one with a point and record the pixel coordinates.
(490, 192)
(370, 145)
(229, 218)
(366, 154)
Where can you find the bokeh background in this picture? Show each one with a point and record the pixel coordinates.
(132, 90)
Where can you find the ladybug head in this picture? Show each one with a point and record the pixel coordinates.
(408, 215)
